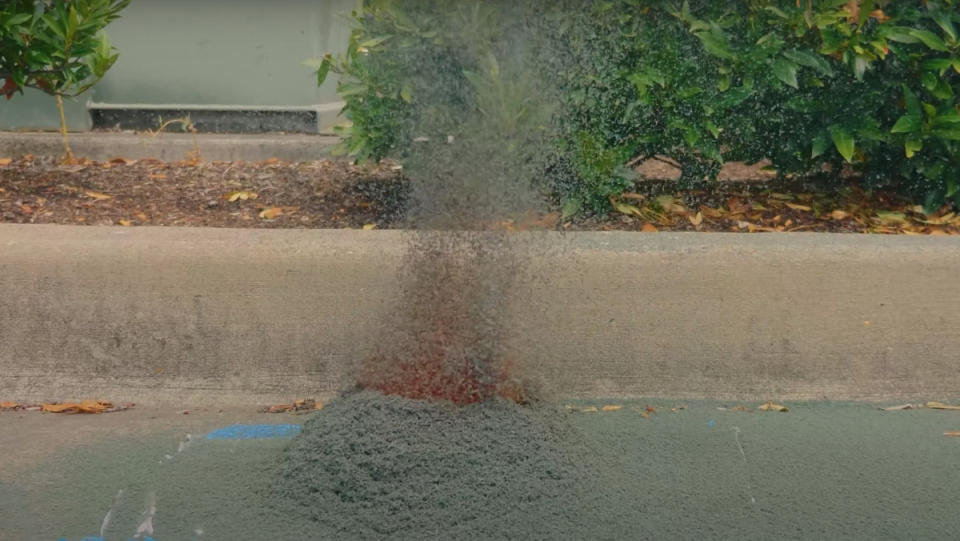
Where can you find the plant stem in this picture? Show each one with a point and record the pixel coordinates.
(63, 130)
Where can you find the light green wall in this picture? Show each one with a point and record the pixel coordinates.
(207, 52)
(35, 110)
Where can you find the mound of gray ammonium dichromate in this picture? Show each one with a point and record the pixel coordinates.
(375, 466)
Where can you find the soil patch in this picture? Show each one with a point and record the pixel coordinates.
(374, 466)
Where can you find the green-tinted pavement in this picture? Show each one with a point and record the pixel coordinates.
(820, 471)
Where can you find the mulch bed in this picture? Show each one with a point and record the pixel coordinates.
(269, 194)
(337, 194)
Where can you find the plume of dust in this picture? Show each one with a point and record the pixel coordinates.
(471, 229)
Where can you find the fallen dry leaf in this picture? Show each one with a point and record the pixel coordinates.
(97, 195)
(770, 406)
(711, 212)
(796, 206)
(60, 408)
(273, 212)
(942, 406)
(5, 161)
(696, 220)
(84, 406)
(241, 195)
(124, 223)
(839, 215)
(649, 228)
(611, 407)
(624, 208)
(9, 405)
(588, 409)
(368, 227)
(892, 217)
(952, 434)
(669, 204)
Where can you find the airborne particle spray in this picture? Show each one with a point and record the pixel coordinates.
(476, 165)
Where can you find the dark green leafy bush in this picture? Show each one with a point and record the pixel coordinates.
(811, 85)
(57, 46)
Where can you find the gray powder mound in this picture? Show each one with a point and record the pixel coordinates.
(374, 466)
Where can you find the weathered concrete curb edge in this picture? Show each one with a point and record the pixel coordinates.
(102, 146)
(220, 315)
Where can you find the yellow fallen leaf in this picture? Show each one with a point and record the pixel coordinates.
(124, 223)
(368, 227)
(240, 195)
(696, 220)
(97, 195)
(612, 407)
(5, 161)
(839, 215)
(589, 409)
(669, 204)
(624, 208)
(892, 217)
(649, 228)
(942, 406)
(770, 406)
(952, 434)
(271, 213)
(711, 212)
(797, 206)
(9, 405)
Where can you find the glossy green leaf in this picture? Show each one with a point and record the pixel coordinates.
(810, 60)
(907, 124)
(820, 145)
(843, 141)
(786, 71)
(929, 39)
(912, 146)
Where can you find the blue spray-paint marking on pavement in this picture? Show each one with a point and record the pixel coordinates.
(254, 432)
(235, 432)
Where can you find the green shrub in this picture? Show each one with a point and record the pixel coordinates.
(869, 85)
(57, 46)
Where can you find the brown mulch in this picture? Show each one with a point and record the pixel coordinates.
(337, 194)
(270, 194)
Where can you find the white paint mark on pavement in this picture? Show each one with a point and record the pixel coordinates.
(736, 437)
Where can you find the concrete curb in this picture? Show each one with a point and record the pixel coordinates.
(218, 315)
(101, 146)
